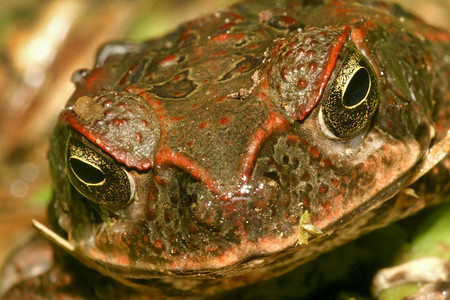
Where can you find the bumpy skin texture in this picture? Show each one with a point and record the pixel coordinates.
(219, 127)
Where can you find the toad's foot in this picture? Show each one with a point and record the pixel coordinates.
(432, 272)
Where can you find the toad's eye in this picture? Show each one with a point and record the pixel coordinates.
(96, 176)
(352, 100)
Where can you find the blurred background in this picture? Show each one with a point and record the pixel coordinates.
(42, 42)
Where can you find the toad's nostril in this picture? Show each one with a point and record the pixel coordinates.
(183, 200)
(273, 175)
(182, 190)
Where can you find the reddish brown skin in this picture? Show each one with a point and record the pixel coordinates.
(217, 124)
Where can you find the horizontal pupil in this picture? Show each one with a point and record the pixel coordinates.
(357, 88)
(85, 172)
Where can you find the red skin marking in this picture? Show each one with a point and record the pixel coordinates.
(284, 74)
(158, 244)
(311, 53)
(287, 20)
(92, 79)
(335, 183)
(239, 36)
(275, 122)
(354, 20)
(196, 59)
(222, 37)
(304, 142)
(264, 83)
(264, 97)
(185, 35)
(306, 41)
(304, 201)
(129, 72)
(300, 52)
(174, 119)
(358, 36)
(220, 99)
(160, 112)
(150, 213)
(314, 152)
(224, 121)
(312, 67)
(138, 137)
(289, 53)
(202, 125)
(370, 24)
(144, 123)
(236, 16)
(189, 143)
(227, 25)
(211, 248)
(179, 94)
(277, 48)
(242, 69)
(220, 53)
(345, 179)
(119, 123)
(326, 162)
(167, 59)
(302, 84)
(392, 30)
(440, 37)
(292, 139)
(165, 156)
(322, 189)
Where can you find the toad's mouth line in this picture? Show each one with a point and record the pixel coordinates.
(69, 248)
